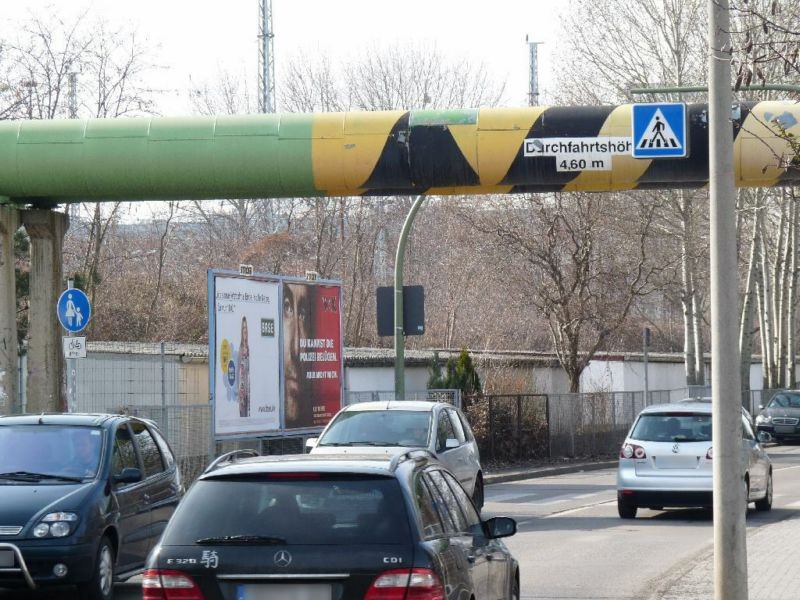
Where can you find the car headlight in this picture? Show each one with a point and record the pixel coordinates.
(763, 419)
(58, 524)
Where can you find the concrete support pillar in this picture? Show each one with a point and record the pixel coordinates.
(45, 353)
(9, 222)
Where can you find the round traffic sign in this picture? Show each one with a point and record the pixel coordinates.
(73, 310)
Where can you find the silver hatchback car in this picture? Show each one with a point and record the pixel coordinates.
(394, 427)
(666, 460)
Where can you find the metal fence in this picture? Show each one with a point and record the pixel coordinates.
(172, 389)
(522, 427)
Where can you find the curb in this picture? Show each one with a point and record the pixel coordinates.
(490, 478)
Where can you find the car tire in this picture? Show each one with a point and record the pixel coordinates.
(101, 585)
(746, 496)
(765, 503)
(477, 493)
(514, 587)
(626, 510)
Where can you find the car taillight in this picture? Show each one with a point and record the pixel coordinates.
(169, 585)
(632, 451)
(710, 453)
(411, 584)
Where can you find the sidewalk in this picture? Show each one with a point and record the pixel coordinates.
(771, 567)
(515, 473)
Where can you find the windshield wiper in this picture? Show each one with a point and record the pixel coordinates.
(30, 476)
(266, 540)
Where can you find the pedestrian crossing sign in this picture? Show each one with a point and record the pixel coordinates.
(659, 130)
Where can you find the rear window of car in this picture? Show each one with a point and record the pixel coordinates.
(300, 509)
(379, 427)
(673, 427)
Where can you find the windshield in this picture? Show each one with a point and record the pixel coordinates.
(322, 509)
(379, 428)
(50, 450)
(784, 401)
(673, 427)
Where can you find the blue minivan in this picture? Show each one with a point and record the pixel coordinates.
(83, 499)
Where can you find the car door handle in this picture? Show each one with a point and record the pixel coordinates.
(496, 556)
(146, 498)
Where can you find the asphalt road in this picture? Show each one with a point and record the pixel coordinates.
(571, 544)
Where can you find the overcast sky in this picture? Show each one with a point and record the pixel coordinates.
(196, 39)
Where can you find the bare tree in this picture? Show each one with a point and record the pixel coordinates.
(584, 265)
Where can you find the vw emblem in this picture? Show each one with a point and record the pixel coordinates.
(282, 558)
(675, 448)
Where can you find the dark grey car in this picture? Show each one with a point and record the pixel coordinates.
(83, 499)
(780, 418)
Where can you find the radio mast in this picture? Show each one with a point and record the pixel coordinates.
(266, 59)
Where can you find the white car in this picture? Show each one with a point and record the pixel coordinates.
(394, 427)
(666, 460)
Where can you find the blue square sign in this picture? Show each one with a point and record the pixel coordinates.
(659, 130)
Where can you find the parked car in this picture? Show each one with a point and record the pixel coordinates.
(666, 461)
(83, 499)
(396, 426)
(322, 526)
(779, 420)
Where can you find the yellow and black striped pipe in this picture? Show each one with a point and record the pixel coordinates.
(470, 151)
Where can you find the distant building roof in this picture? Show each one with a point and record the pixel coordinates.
(384, 357)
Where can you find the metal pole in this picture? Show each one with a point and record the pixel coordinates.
(645, 344)
(71, 375)
(730, 545)
(164, 424)
(774, 87)
(399, 339)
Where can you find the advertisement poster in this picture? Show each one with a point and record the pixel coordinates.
(246, 356)
(312, 353)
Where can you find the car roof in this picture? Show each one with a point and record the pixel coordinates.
(415, 405)
(689, 405)
(367, 464)
(69, 419)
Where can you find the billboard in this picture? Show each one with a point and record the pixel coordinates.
(312, 356)
(275, 353)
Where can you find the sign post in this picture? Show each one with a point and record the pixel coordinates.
(74, 311)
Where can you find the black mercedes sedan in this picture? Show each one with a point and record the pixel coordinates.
(319, 527)
(83, 499)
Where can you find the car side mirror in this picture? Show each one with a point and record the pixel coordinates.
(128, 475)
(311, 443)
(498, 527)
(760, 407)
(451, 443)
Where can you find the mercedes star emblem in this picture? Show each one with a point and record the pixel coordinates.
(282, 558)
(675, 448)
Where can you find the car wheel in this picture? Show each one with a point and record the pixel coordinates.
(515, 587)
(101, 585)
(765, 503)
(477, 493)
(626, 510)
(746, 496)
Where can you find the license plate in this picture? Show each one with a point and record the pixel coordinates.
(281, 591)
(6, 559)
(675, 462)
(784, 428)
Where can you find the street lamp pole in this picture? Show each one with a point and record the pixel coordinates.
(399, 336)
(730, 543)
